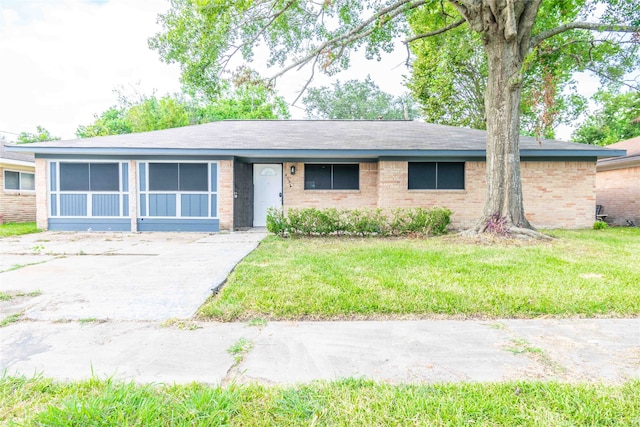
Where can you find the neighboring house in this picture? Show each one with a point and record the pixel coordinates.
(225, 175)
(17, 183)
(618, 184)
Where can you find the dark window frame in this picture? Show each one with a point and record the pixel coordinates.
(418, 183)
(20, 181)
(346, 178)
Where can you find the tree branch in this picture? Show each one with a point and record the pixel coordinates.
(436, 32)
(356, 33)
(591, 26)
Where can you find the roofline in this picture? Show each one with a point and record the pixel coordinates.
(310, 153)
(13, 162)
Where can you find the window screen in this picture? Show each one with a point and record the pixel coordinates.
(193, 177)
(332, 177)
(74, 176)
(436, 176)
(178, 177)
(104, 177)
(27, 181)
(163, 176)
(11, 180)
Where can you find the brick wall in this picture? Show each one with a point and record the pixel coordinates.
(556, 194)
(225, 194)
(16, 206)
(295, 196)
(618, 191)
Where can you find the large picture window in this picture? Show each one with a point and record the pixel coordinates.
(436, 175)
(19, 181)
(331, 176)
(93, 177)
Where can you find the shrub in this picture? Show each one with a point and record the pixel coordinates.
(360, 222)
(600, 225)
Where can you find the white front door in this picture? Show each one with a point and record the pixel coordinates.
(267, 191)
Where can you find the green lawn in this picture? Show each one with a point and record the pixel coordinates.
(581, 273)
(339, 403)
(17, 228)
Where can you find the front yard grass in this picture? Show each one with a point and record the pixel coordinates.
(583, 273)
(345, 402)
(17, 228)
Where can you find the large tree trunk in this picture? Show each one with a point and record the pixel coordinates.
(503, 207)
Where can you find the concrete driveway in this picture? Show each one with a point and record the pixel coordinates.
(116, 276)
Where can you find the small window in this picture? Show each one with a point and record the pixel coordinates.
(89, 177)
(331, 177)
(19, 181)
(436, 175)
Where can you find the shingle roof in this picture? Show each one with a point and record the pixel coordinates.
(237, 137)
(632, 146)
(20, 157)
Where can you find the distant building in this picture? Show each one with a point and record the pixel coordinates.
(17, 180)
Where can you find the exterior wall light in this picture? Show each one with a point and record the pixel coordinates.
(292, 170)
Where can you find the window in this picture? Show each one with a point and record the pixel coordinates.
(332, 177)
(19, 181)
(436, 175)
(178, 177)
(89, 177)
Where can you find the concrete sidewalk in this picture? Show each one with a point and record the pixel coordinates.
(423, 351)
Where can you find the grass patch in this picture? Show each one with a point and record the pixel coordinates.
(582, 273)
(94, 402)
(8, 296)
(12, 318)
(18, 228)
(239, 349)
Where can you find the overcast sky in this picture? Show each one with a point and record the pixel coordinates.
(61, 60)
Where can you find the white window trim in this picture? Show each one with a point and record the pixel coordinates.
(19, 190)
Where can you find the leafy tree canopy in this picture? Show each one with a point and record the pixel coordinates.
(247, 97)
(41, 134)
(615, 119)
(357, 100)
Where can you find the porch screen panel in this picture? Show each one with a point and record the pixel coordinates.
(105, 204)
(163, 177)
(194, 205)
(125, 177)
(162, 205)
(214, 205)
(143, 177)
(193, 176)
(104, 177)
(73, 204)
(53, 176)
(214, 178)
(74, 177)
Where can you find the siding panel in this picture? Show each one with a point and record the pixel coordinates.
(73, 205)
(194, 205)
(105, 204)
(162, 205)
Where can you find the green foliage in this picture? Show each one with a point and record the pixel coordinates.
(40, 135)
(357, 100)
(600, 225)
(358, 222)
(613, 121)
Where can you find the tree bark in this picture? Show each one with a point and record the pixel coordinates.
(503, 209)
